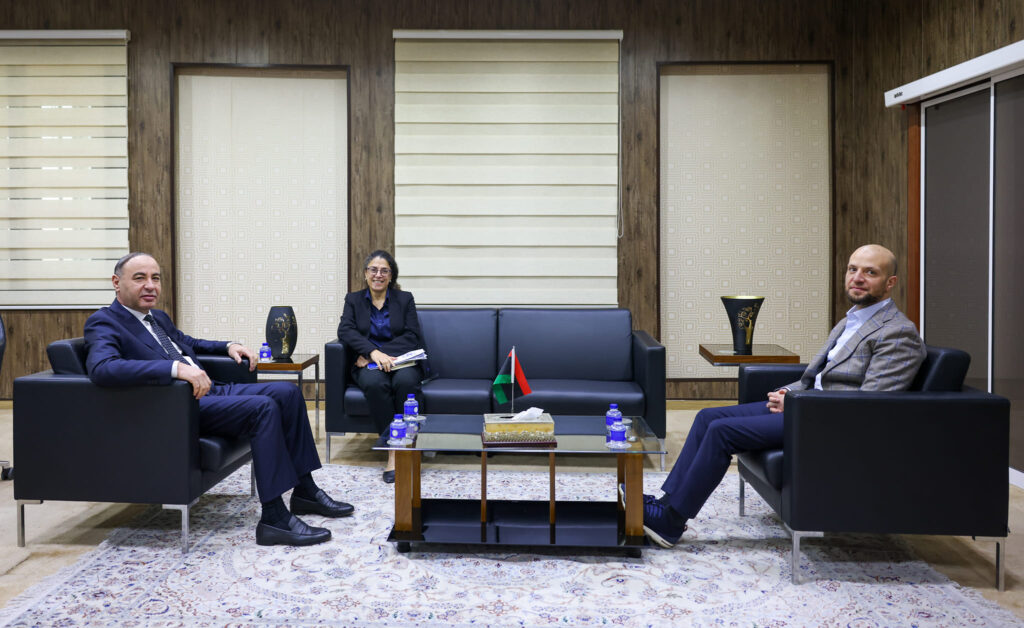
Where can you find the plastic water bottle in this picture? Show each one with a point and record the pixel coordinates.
(617, 436)
(265, 355)
(397, 432)
(610, 418)
(412, 408)
(412, 415)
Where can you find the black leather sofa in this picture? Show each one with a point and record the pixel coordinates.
(577, 361)
(931, 460)
(76, 441)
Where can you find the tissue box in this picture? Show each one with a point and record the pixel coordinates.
(503, 423)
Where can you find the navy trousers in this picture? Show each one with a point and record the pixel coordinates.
(717, 434)
(272, 415)
(386, 392)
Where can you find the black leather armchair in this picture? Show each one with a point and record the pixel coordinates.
(76, 441)
(931, 460)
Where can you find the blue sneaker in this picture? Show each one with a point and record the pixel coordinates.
(659, 525)
(647, 498)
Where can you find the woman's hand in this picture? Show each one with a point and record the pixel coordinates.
(361, 361)
(383, 360)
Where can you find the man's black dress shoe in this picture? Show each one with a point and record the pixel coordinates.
(322, 504)
(389, 476)
(298, 533)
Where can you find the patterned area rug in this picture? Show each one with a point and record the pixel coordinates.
(727, 570)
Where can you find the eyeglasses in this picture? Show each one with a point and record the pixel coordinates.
(373, 270)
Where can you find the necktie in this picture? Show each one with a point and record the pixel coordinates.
(165, 342)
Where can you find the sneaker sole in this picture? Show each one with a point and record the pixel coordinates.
(654, 536)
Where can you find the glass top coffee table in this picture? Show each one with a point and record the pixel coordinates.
(617, 523)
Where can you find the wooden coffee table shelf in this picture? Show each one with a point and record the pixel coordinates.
(613, 524)
(723, 355)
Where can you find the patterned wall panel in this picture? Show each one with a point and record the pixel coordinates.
(261, 205)
(745, 207)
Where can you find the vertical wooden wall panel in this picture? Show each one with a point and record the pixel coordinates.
(870, 173)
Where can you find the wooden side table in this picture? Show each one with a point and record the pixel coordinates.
(295, 365)
(723, 355)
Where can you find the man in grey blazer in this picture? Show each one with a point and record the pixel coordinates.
(875, 347)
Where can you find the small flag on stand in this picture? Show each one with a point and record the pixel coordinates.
(511, 381)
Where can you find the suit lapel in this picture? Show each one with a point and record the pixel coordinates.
(137, 329)
(869, 327)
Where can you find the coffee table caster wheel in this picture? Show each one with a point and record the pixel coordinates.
(403, 547)
(634, 553)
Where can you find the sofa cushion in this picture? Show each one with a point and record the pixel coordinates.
(766, 464)
(460, 344)
(568, 344)
(943, 370)
(67, 356)
(216, 452)
(582, 397)
(457, 396)
(355, 401)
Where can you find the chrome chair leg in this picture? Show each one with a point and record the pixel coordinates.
(184, 508)
(794, 558)
(21, 518)
(328, 448)
(661, 445)
(743, 486)
(1000, 542)
(252, 478)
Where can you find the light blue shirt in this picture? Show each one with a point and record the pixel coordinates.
(855, 319)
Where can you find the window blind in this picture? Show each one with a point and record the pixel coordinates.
(745, 206)
(506, 170)
(63, 166)
(261, 201)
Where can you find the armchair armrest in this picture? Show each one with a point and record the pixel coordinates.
(896, 462)
(336, 376)
(77, 441)
(649, 373)
(223, 368)
(757, 380)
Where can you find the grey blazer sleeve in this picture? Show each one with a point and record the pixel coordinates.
(897, 356)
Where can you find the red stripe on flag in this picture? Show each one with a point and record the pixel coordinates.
(520, 378)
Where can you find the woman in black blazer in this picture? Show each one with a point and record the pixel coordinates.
(379, 324)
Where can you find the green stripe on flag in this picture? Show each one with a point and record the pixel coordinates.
(498, 387)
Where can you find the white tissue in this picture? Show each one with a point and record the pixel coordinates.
(528, 414)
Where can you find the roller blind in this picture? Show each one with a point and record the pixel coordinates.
(63, 166)
(745, 206)
(506, 170)
(261, 201)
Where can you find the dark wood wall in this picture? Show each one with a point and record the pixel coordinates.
(875, 45)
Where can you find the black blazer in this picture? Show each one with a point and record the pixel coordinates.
(354, 328)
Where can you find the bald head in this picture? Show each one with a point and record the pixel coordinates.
(870, 275)
(882, 253)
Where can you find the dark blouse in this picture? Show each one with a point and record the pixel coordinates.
(380, 321)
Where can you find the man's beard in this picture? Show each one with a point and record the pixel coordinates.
(863, 301)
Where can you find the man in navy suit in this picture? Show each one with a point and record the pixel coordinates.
(132, 344)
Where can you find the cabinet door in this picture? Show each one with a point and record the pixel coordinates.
(1008, 257)
(956, 228)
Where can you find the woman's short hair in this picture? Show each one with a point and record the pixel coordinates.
(387, 258)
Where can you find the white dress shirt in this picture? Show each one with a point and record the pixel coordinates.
(174, 363)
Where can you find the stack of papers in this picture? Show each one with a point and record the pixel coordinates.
(404, 360)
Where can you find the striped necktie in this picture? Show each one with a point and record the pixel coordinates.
(165, 342)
